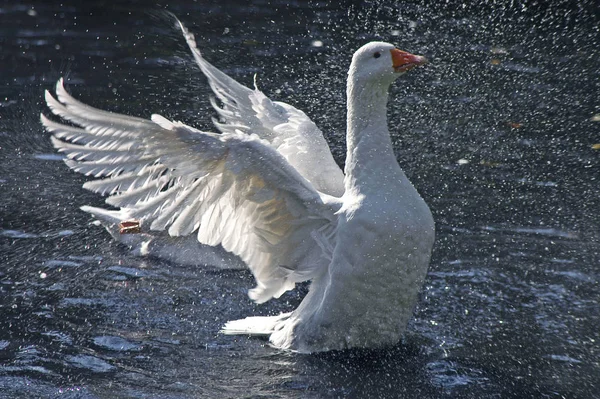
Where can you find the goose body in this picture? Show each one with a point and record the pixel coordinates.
(268, 190)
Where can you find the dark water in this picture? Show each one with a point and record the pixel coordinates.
(497, 133)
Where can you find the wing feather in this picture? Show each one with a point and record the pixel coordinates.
(284, 127)
(232, 189)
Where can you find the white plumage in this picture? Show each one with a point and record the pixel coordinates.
(268, 190)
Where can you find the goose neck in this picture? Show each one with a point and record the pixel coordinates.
(367, 138)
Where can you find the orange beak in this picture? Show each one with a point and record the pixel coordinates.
(403, 61)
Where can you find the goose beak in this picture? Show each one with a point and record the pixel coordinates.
(403, 61)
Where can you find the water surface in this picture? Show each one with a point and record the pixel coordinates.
(497, 133)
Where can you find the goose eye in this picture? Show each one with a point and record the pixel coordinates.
(377, 55)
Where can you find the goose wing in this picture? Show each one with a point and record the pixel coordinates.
(284, 127)
(232, 189)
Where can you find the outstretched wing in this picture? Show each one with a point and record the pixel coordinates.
(284, 127)
(231, 189)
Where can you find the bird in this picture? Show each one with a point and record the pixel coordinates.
(267, 190)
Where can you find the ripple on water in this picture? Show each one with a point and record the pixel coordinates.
(562, 358)
(446, 375)
(127, 273)
(59, 336)
(86, 258)
(117, 344)
(83, 302)
(543, 231)
(17, 234)
(54, 264)
(27, 368)
(168, 341)
(57, 287)
(91, 363)
(520, 68)
(24, 387)
(575, 275)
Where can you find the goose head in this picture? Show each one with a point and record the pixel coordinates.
(382, 63)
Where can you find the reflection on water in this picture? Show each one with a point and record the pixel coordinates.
(497, 133)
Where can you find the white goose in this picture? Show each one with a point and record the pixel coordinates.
(268, 190)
